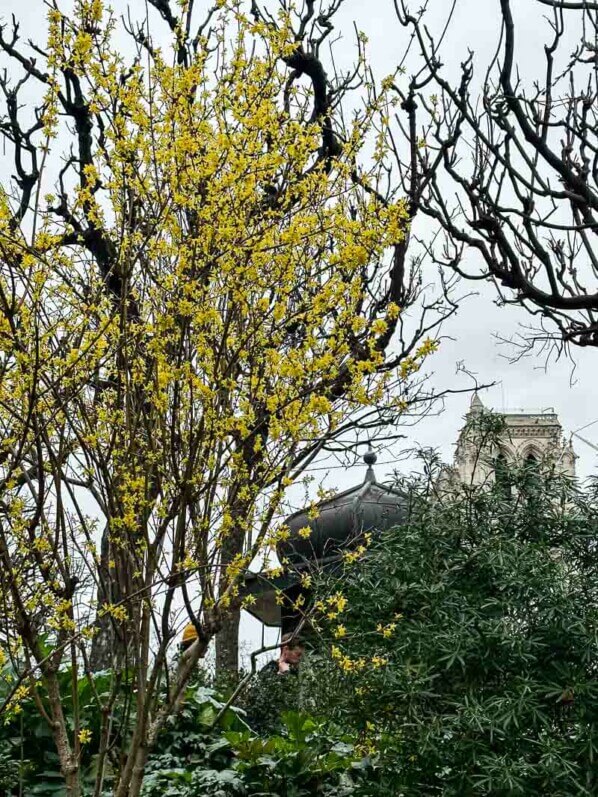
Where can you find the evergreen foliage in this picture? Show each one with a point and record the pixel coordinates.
(469, 641)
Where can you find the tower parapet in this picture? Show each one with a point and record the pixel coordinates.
(532, 435)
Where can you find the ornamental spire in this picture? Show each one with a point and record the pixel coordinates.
(370, 458)
(476, 403)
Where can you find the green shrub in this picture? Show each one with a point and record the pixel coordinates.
(469, 643)
(308, 757)
(207, 751)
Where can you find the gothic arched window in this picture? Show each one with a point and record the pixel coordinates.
(531, 467)
(502, 477)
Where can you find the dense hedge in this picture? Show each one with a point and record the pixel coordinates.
(469, 640)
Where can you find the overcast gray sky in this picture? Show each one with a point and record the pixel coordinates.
(570, 387)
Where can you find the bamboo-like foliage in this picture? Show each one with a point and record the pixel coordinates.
(465, 642)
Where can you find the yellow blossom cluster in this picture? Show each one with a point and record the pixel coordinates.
(14, 707)
(85, 736)
(351, 557)
(190, 309)
(334, 605)
(386, 630)
(356, 665)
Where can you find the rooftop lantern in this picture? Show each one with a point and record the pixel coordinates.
(340, 526)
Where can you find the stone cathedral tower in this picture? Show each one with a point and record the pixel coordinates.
(529, 436)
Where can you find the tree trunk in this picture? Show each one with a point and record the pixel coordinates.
(73, 787)
(145, 736)
(102, 645)
(130, 785)
(227, 645)
(227, 638)
(105, 644)
(69, 764)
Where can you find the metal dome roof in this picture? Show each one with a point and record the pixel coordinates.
(340, 525)
(342, 520)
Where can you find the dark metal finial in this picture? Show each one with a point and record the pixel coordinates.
(370, 458)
